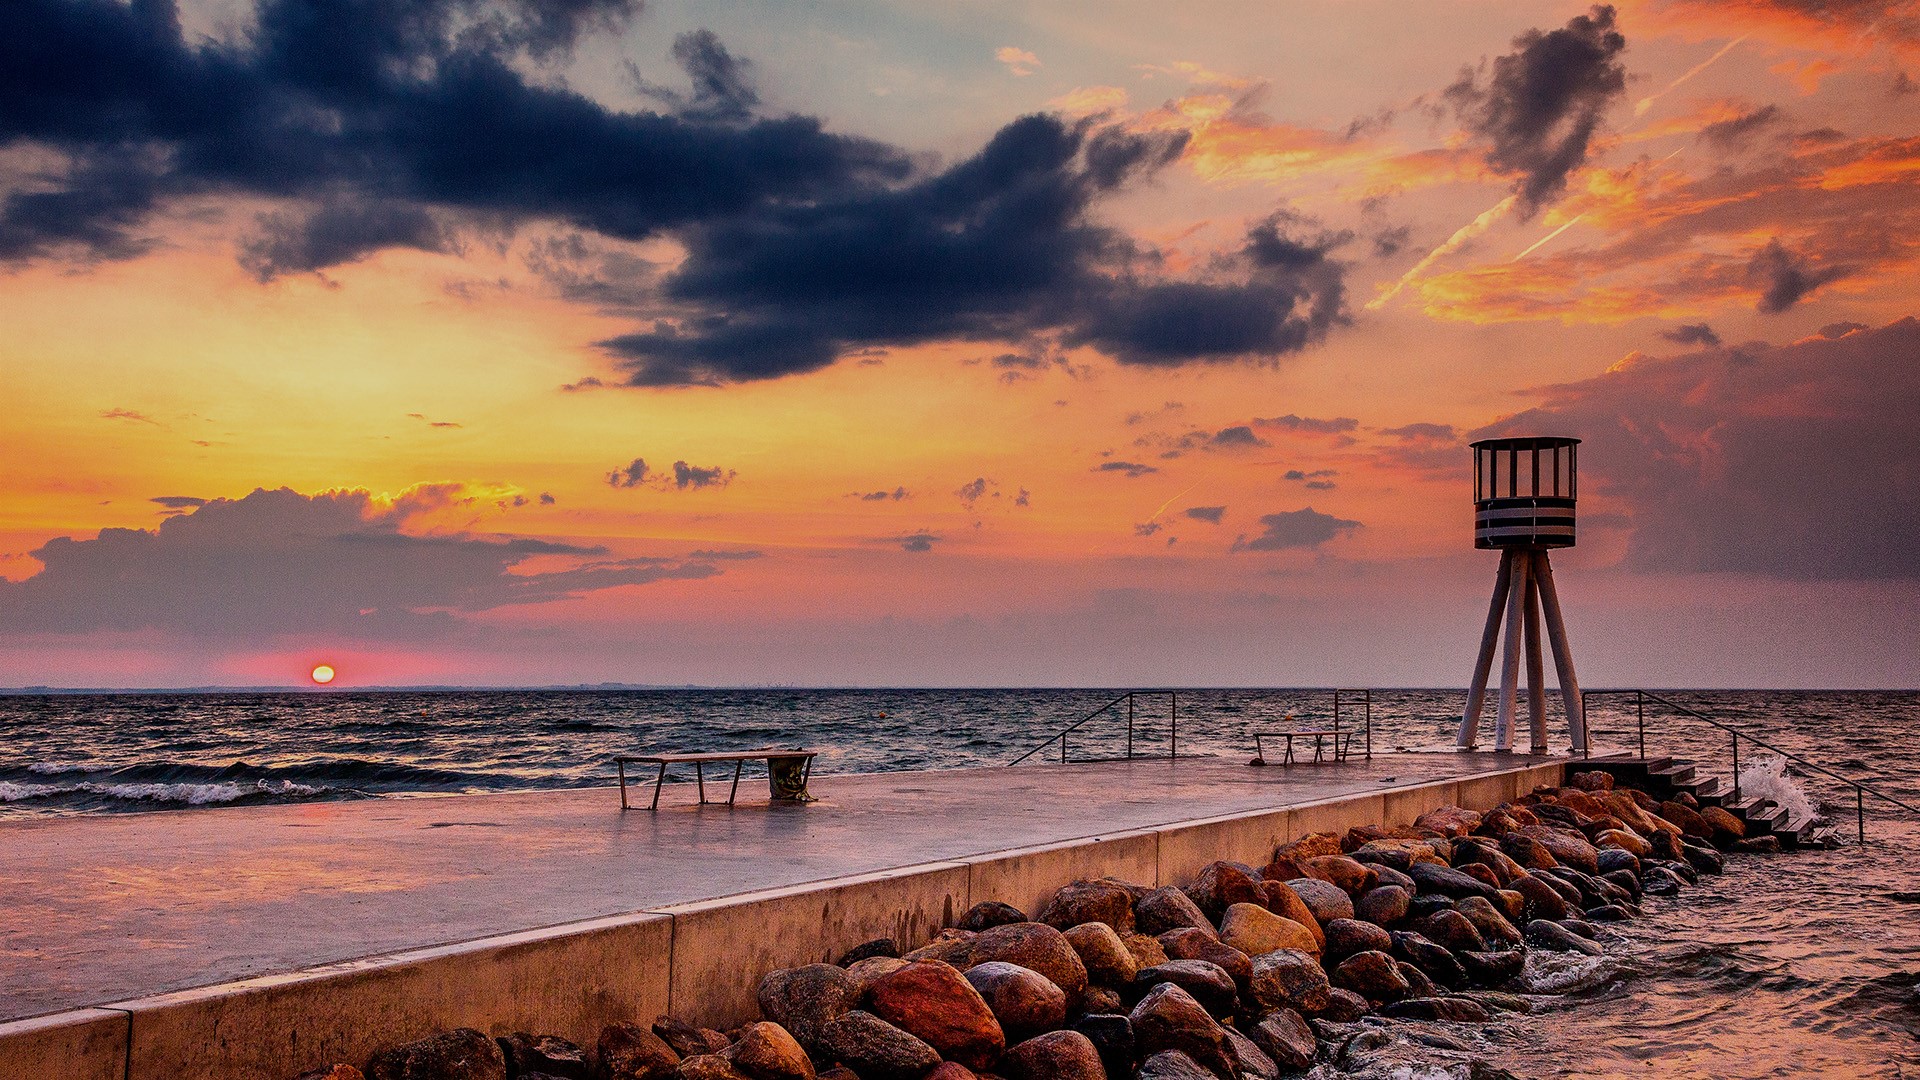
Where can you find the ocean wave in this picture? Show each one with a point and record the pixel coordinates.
(184, 794)
(1767, 777)
(1565, 973)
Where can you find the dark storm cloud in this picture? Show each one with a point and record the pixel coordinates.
(879, 496)
(379, 124)
(1791, 462)
(1692, 334)
(1291, 529)
(339, 231)
(1130, 468)
(1786, 277)
(178, 502)
(1240, 436)
(282, 562)
(379, 105)
(920, 541)
(1541, 104)
(1209, 514)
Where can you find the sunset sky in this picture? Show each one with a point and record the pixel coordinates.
(875, 343)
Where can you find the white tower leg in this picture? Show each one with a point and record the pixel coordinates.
(1510, 657)
(1483, 665)
(1536, 679)
(1562, 651)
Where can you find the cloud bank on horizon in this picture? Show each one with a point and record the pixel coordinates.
(687, 292)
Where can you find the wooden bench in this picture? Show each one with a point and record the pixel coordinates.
(782, 788)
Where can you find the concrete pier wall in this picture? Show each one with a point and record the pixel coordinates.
(698, 961)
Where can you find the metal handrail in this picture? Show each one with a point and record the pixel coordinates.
(1860, 790)
(1173, 725)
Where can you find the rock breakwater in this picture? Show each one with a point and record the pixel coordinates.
(1346, 954)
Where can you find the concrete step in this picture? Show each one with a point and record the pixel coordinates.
(1674, 774)
(1710, 792)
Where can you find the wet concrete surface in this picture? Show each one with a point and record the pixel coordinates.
(101, 909)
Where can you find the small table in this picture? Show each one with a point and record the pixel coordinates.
(791, 793)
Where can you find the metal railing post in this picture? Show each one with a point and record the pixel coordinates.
(1736, 768)
(1368, 701)
(1129, 726)
(1860, 813)
(1640, 721)
(1173, 724)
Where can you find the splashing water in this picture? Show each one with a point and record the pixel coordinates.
(1766, 777)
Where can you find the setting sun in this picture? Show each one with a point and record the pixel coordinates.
(323, 674)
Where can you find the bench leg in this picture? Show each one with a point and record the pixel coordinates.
(622, 766)
(657, 781)
(1288, 758)
(736, 781)
(700, 781)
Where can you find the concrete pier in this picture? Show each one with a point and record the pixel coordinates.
(258, 942)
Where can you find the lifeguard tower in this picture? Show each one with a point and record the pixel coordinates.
(1523, 499)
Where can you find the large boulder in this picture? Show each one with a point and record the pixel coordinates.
(1591, 780)
(1491, 968)
(1449, 820)
(1324, 899)
(460, 1054)
(1057, 1055)
(1430, 958)
(1567, 846)
(1280, 899)
(1222, 884)
(1168, 908)
(1209, 984)
(1687, 819)
(1286, 1038)
(885, 946)
(1173, 1065)
(1309, 846)
(1384, 906)
(1187, 943)
(1624, 840)
(1457, 1010)
(1147, 951)
(876, 1049)
(865, 972)
(1397, 853)
(1287, 979)
(1352, 876)
(1037, 946)
(1249, 1061)
(936, 1003)
(1493, 926)
(1372, 975)
(717, 1067)
(1025, 1002)
(1348, 936)
(631, 1052)
(1449, 882)
(1089, 901)
(1102, 953)
(552, 1055)
(804, 999)
(1111, 1035)
(767, 1051)
(950, 945)
(1254, 930)
(1726, 828)
(988, 914)
(1168, 1018)
(1553, 937)
(1528, 853)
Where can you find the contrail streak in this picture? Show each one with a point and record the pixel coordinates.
(1169, 502)
(1575, 220)
(1454, 243)
(1640, 108)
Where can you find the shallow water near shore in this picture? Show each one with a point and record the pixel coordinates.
(1800, 964)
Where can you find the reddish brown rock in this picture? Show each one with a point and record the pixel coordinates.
(1090, 902)
(1584, 803)
(716, 1067)
(936, 1003)
(687, 1040)
(1287, 979)
(1209, 983)
(802, 1000)
(332, 1072)
(1309, 846)
(988, 914)
(1592, 780)
(1324, 899)
(1036, 946)
(1483, 873)
(1528, 853)
(950, 945)
(1757, 845)
(1726, 828)
(1254, 930)
(1167, 909)
(1102, 953)
(1567, 847)
(866, 971)
(1249, 1061)
(1542, 900)
(1372, 975)
(1187, 943)
(1147, 951)
(1280, 899)
(766, 1051)
(1384, 906)
(950, 1070)
(1449, 820)
(1348, 936)
(460, 1054)
(875, 1049)
(1221, 885)
(1057, 1055)
(1625, 841)
(1173, 1065)
(1168, 1018)
(1286, 1038)
(1025, 1002)
(629, 1052)
(1352, 876)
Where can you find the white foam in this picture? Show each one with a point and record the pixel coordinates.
(54, 768)
(1548, 972)
(1767, 778)
(11, 792)
(190, 794)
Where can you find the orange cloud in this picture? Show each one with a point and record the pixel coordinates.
(1853, 28)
